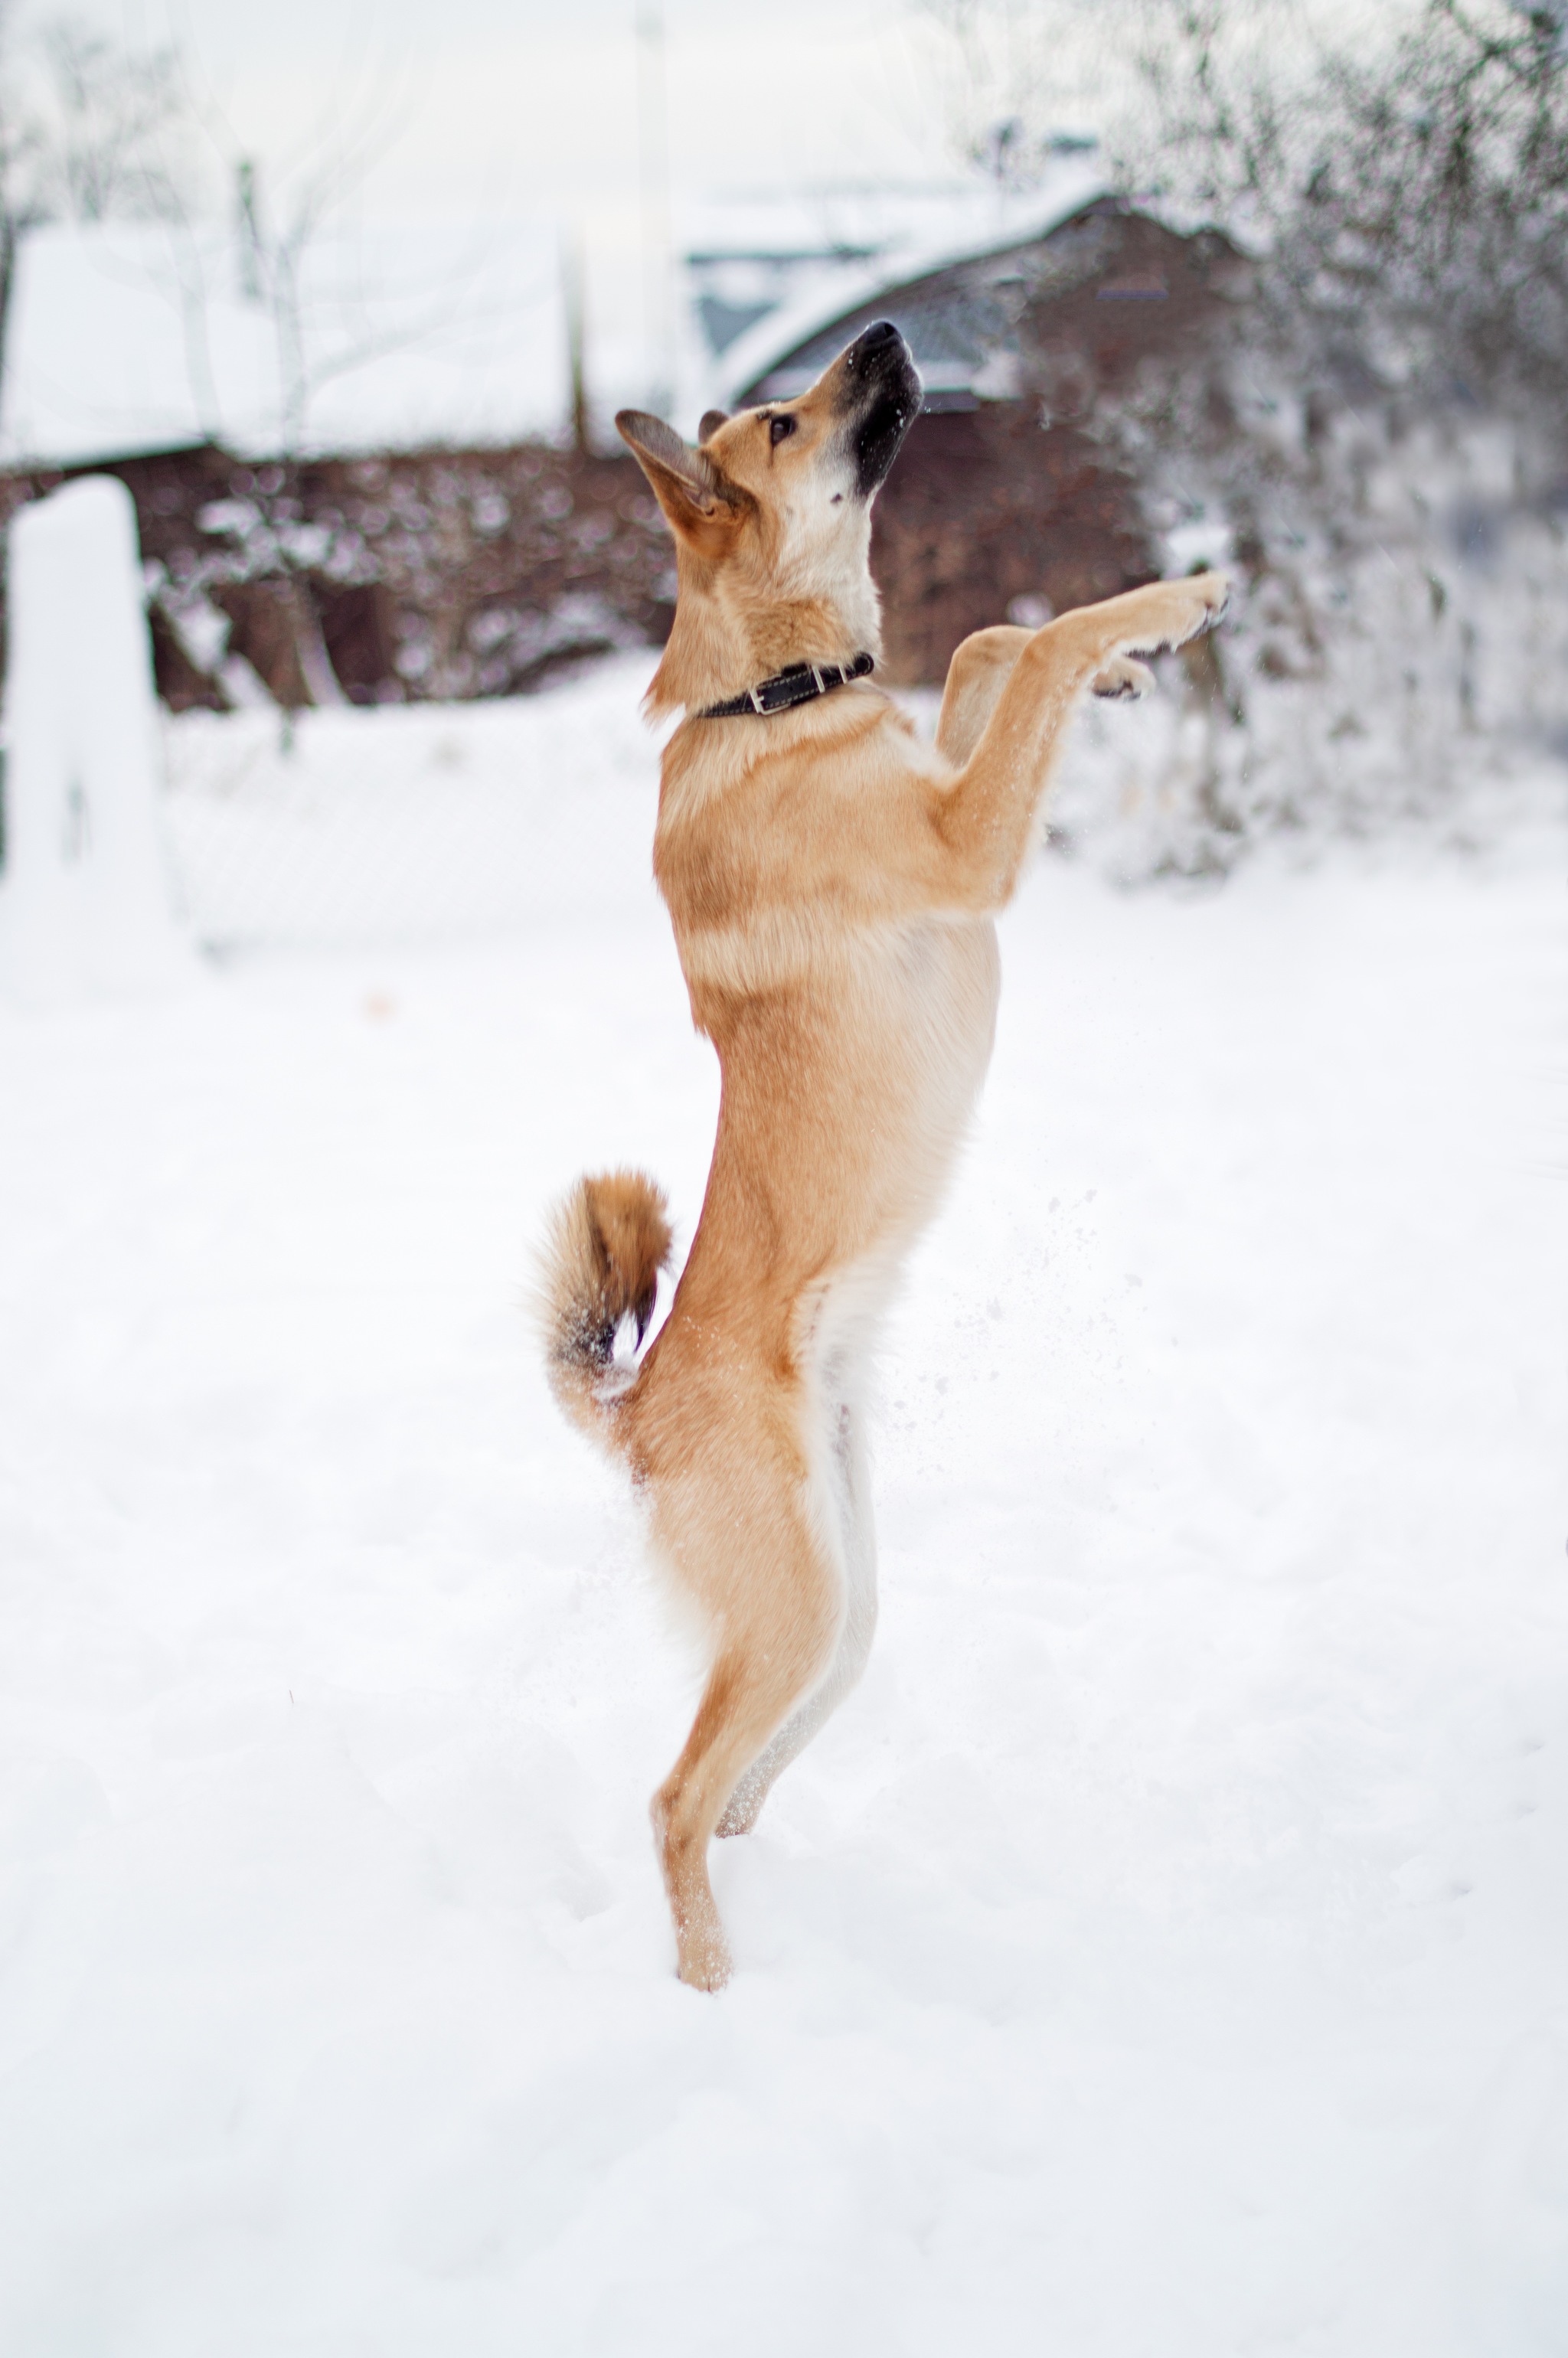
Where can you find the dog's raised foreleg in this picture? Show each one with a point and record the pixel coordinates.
(986, 815)
(981, 666)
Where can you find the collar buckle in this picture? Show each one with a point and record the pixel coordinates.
(800, 683)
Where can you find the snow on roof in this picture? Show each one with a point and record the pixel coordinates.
(133, 338)
(130, 338)
(916, 238)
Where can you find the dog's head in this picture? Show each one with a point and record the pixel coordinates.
(770, 512)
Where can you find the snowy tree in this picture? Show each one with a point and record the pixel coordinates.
(1380, 403)
(325, 321)
(114, 117)
(1412, 198)
(23, 150)
(88, 131)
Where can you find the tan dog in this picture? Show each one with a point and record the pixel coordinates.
(832, 883)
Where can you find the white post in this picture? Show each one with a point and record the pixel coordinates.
(84, 903)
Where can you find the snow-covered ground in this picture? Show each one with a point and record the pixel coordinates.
(1161, 1954)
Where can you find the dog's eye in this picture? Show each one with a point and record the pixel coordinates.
(780, 428)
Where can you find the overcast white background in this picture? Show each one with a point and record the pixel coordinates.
(504, 103)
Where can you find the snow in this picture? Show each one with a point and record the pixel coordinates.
(84, 905)
(130, 337)
(407, 823)
(1160, 1952)
(874, 240)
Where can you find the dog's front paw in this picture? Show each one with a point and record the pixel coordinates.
(1123, 676)
(1177, 611)
(1214, 590)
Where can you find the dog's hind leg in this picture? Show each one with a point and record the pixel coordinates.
(780, 1608)
(849, 1474)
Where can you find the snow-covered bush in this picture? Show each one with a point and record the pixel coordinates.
(1409, 664)
(1373, 428)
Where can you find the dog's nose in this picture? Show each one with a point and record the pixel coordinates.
(872, 343)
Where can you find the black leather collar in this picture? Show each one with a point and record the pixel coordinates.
(797, 684)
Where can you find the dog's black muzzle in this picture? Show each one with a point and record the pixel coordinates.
(879, 388)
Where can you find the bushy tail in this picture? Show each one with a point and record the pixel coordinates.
(608, 1240)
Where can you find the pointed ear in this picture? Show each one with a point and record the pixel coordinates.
(712, 419)
(685, 482)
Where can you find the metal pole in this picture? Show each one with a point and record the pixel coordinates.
(654, 159)
(573, 291)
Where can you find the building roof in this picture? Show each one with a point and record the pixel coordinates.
(126, 337)
(132, 338)
(881, 248)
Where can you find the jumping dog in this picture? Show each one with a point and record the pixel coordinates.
(832, 882)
